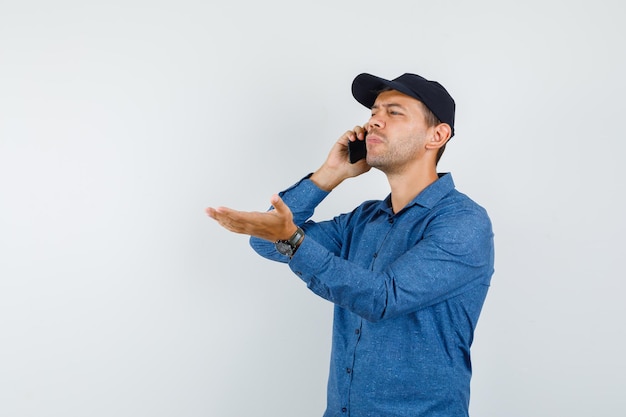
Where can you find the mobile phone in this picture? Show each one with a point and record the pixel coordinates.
(357, 150)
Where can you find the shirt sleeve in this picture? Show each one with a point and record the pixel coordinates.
(302, 198)
(455, 254)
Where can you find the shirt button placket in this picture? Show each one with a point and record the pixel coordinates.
(350, 367)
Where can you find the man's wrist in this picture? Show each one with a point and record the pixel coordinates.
(289, 246)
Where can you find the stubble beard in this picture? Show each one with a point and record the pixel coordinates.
(396, 156)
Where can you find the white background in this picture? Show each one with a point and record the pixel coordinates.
(120, 121)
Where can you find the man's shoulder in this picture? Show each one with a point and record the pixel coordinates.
(459, 206)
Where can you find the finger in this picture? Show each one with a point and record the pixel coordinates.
(216, 213)
(349, 136)
(279, 205)
(210, 211)
(360, 132)
(225, 218)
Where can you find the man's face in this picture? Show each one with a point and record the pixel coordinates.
(397, 131)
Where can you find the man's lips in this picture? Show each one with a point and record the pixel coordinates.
(373, 138)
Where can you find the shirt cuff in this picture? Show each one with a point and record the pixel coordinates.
(304, 193)
(310, 258)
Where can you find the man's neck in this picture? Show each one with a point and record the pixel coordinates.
(407, 185)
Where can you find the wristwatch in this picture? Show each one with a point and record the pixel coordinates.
(288, 247)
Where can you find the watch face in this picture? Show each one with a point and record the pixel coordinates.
(284, 247)
(289, 247)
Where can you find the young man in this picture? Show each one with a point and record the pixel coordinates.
(408, 275)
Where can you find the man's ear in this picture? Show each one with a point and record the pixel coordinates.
(441, 135)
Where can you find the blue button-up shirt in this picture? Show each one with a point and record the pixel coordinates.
(407, 287)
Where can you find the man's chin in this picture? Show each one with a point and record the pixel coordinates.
(374, 161)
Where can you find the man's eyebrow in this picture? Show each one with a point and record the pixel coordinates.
(376, 106)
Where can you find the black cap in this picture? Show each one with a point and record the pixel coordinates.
(365, 89)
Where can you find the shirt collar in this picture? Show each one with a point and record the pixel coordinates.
(430, 195)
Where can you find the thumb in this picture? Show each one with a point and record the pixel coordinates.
(287, 227)
(280, 206)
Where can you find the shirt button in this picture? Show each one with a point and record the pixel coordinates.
(390, 220)
(344, 409)
(375, 255)
(357, 331)
(348, 370)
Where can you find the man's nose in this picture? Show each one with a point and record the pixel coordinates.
(375, 122)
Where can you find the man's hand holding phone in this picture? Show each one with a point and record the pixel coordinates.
(338, 166)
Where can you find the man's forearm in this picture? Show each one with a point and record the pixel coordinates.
(326, 179)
